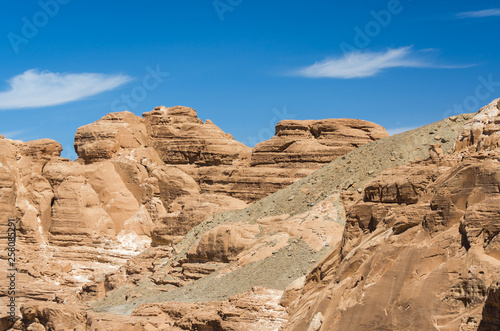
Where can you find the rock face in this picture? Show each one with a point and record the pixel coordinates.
(276, 240)
(155, 222)
(256, 310)
(420, 248)
(180, 137)
(311, 144)
(101, 140)
(138, 181)
(218, 163)
(483, 132)
(198, 169)
(74, 222)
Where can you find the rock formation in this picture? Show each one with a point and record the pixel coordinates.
(165, 222)
(138, 181)
(274, 241)
(311, 144)
(198, 169)
(420, 246)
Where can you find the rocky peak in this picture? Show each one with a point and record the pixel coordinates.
(42, 148)
(122, 117)
(312, 143)
(482, 132)
(177, 114)
(180, 137)
(100, 140)
(181, 111)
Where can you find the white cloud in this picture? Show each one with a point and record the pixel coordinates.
(394, 131)
(362, 64)
(367, 64)
(480, 13)
(35, 88)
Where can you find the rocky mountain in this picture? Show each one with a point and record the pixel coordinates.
(142, 182)
(165, 222)
(420, 249)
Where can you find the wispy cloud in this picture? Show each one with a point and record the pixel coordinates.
(361, 64)
(366, 64)
(479, 13)
(35, 88)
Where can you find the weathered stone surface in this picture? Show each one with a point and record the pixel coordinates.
(102, 139)
(187, 211)
(213, 158)
(419, 251)
(483, 131)
(224, 243)
(400, 185)
(246, 183)
(311, 143)
(86, 226)
(180, 137)
(54, 317)
(172, 152)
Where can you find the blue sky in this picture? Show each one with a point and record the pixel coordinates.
(244, 64)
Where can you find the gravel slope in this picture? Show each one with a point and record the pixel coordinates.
(350, 172)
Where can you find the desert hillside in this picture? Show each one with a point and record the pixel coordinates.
(166, 222)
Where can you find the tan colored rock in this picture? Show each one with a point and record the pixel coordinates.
(292, 292)
(180, 137)
(490, 319)
(253, 311)
(400, 185)
(35, 327)
(186, 212)
(483, 131)
(54, 317)
(224, 243)
(77, 213)
(85, 227)
(42, 148)
(414, 263)
(174, 183)
(102, 139)
(311, 143)
(246, 183)
(117, 200)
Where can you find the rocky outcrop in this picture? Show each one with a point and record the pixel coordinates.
(180, 137)
(74, 222)
(101, 140)
(297, 150)
(187, 211)
(419, 249)
(279, 238)
(258, 309)
(184, 169)
(483, 132)
(311, 144)
(219, 164)
(399, 246)
(140, 181)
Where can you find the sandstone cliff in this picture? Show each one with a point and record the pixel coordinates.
(397, 234)
(276, 240)
(198, 169)
(420, 248)
(138, 181)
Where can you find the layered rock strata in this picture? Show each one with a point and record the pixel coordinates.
(138, 181)
(415, 209)
(420, 247)
(201, 170)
